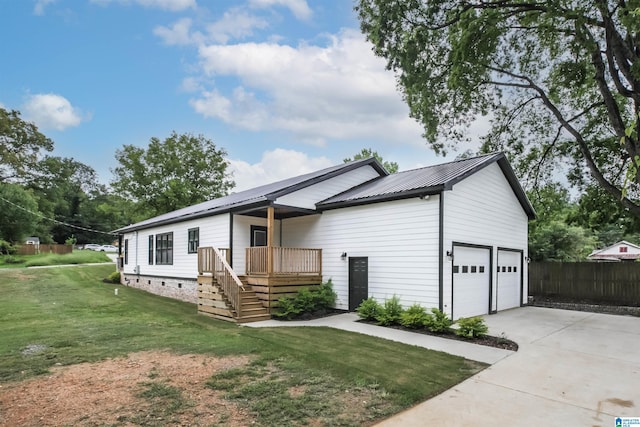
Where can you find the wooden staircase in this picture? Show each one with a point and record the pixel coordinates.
(213, 303)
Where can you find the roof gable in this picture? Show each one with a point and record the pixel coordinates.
(425, 181)
(262, 195)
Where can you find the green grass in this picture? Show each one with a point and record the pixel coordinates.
(77, 257)
(67, 316)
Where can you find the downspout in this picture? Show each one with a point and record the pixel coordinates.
(231, 239)
(441, 252)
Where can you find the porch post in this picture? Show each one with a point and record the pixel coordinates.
(270, 227)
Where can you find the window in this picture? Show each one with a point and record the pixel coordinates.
(258, 235)
(465, 268)
(623, 248)
(126, 251)
(194, 240)
(515, 269)
(481, 269)
(164, 249)
(456, 268)
(151, 249)
(473, 269)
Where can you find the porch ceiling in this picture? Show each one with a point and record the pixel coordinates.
(280, 212)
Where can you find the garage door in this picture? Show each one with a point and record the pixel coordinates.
(509, 279)
(471, 281)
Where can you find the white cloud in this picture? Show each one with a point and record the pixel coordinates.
(171, 5)
(235, 23)
(299, 8)
(178, 34)
(51, 111)
(338, 91)
(274, 166)
(38, 8)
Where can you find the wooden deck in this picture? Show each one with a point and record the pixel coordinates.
(271, 273)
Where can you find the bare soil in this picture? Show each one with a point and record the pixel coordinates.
(108, 393)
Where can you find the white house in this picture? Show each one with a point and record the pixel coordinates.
(451, 236)
(621, 251)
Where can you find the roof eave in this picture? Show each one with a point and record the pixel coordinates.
(421, 192)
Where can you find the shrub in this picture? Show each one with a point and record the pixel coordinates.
(391, 312)
(369, 309)
(414, 317)
(307, 301)
(114, 277)
(12, 260)
(7, 248)
(472, 327)
(439, 322)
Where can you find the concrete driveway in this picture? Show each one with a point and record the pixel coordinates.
(572, 369)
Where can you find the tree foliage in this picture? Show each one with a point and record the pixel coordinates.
(365, 153)
(180, 171)
(21, 146)
(17, 223)
(560, 79)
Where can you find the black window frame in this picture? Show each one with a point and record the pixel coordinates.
(193, 240)
(151, 251)
(259, 229)
(126, 251)
(164, 248)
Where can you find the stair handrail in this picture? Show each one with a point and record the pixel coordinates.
(228, 280)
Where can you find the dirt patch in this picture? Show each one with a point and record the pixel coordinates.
(112, 393)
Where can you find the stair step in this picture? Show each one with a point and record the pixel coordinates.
(253, 318)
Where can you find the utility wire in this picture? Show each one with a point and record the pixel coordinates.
(55, 220)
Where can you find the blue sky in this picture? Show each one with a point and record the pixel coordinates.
(285, 86)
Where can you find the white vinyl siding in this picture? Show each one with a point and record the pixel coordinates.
(214, 231)
(242, 238)
(483, 210)
(309, 196)
(400, 239)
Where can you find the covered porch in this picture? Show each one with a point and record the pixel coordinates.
(270, 271)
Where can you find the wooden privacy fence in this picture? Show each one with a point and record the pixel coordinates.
(44, 249)
(612, 282)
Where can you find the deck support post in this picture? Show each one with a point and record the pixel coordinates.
(270, 227)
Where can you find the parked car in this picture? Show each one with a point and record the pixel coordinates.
(92, 247)
(108, 248)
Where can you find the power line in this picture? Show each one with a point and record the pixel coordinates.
(55, 220)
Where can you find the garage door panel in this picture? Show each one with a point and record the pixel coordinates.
(471, 278)
(509, 278)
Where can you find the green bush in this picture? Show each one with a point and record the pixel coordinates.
(114, 277)
(13, 260)
(7, 248)
(472, 327)
(369, 309)
(307, 301)
(439, 322)
(414, 317)
(391, 312)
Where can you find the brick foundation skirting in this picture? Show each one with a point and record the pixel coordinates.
(180, 289)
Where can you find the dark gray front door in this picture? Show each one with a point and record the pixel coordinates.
(358, 281)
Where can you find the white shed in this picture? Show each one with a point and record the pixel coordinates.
(451, 236)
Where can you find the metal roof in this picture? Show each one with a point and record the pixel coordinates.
(254, 197)
(424, 181)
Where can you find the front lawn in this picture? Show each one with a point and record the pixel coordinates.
(76, 257)
(295, 376)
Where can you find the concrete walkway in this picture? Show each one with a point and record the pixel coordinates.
(348, 322)
(572, 369)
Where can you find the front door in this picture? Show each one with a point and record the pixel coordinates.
(358, 281)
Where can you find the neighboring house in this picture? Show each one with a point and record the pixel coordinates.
(621, 251)
(33, 241)
(451, 236)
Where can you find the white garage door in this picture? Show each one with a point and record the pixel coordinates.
(471, 272)
(509, 277)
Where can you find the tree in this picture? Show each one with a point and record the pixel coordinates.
(365, 153)
(180, 171)
(20, 214)
(560, 78)
(21, 145)
(552, 235)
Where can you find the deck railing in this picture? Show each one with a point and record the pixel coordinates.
(215, 262)
(281, 261)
